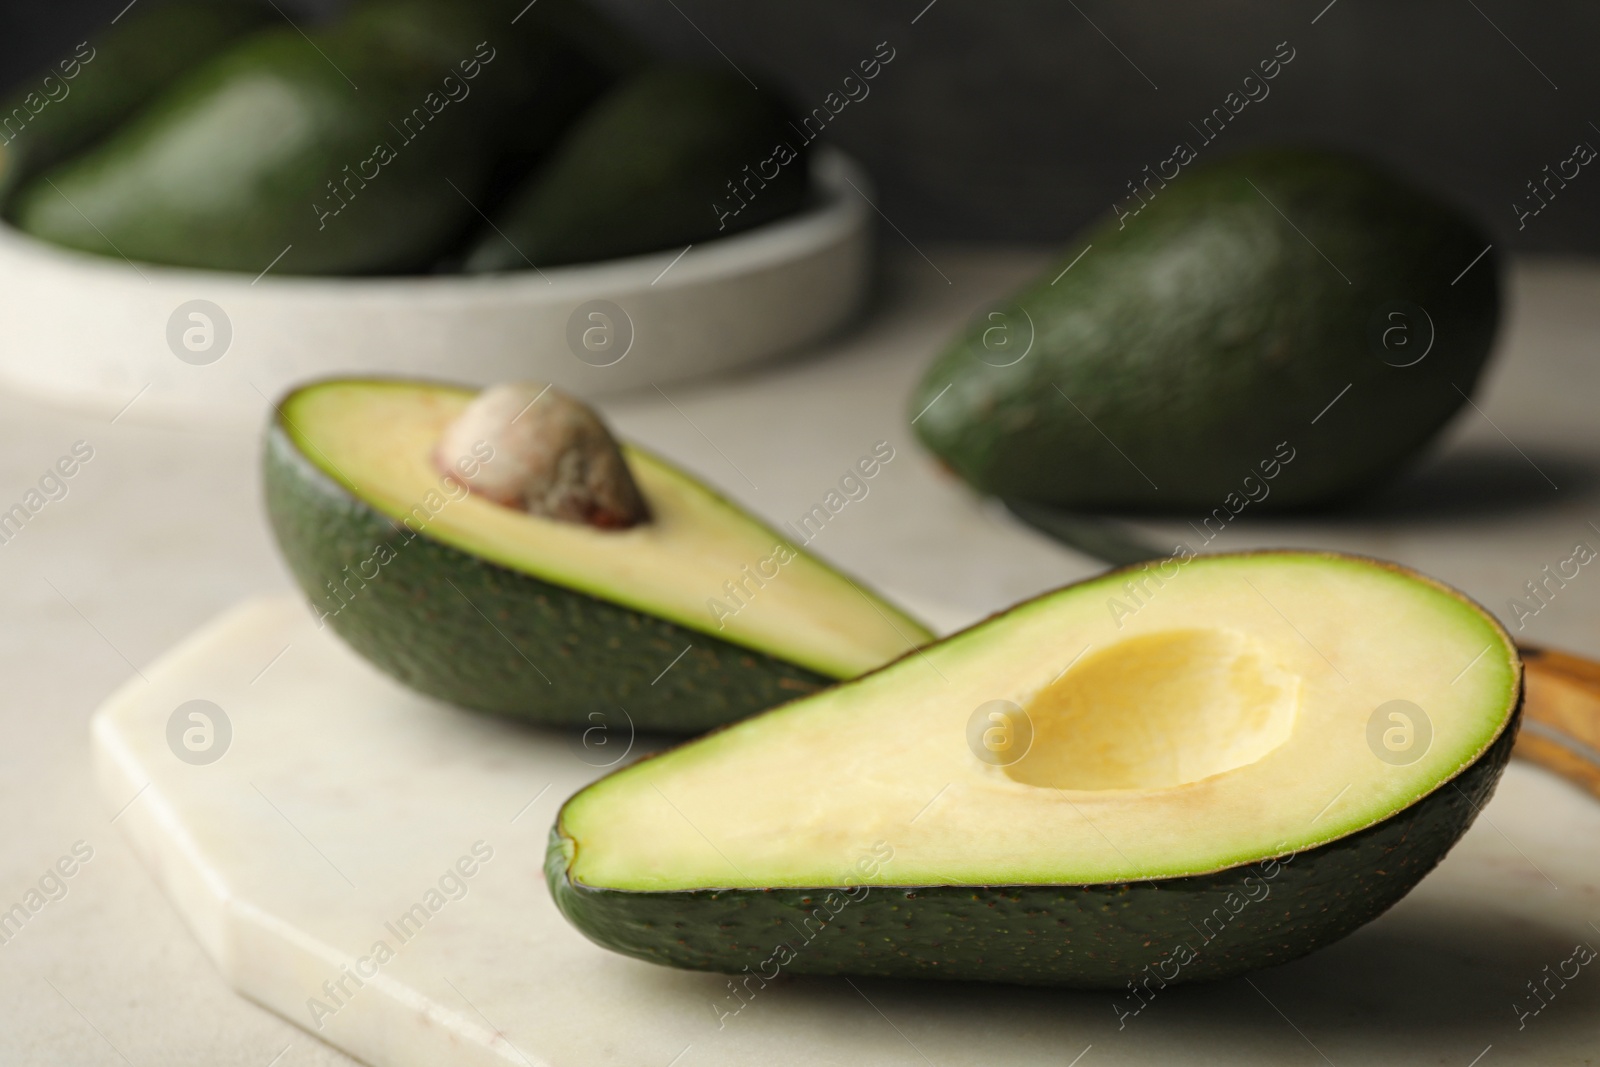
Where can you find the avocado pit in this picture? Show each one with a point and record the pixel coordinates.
(552, 456)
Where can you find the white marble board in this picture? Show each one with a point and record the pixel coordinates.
(340, 801)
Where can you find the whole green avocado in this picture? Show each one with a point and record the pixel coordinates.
(363, 148)
(111, 75)
(1281, 303)
(674, 155)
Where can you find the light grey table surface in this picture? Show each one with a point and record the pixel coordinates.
(162, 529)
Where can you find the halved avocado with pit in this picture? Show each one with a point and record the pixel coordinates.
(1266, 752)
(554, 622)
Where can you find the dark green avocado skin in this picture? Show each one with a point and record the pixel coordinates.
(608, 46)
(469, 632)
(338, 154)
(646, 169)
(144, 52)
(1191, 339)
(1087, 936)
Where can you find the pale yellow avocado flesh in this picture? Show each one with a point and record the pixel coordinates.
(1224, 720)
(377, 438)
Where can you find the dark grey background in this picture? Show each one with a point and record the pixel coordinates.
(1021, 119)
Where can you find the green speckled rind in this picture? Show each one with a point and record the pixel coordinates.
(311, 175)
(1089, 936)
(500, 641)
(1192, 339)
(645, 170)
(129, 64)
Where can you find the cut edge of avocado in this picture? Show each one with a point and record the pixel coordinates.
(1096, 931)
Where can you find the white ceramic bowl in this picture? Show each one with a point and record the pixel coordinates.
(163, 344)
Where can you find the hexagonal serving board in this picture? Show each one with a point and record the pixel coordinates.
(367, 863)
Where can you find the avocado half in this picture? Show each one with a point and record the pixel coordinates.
(1268, 751)
(553, 622)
